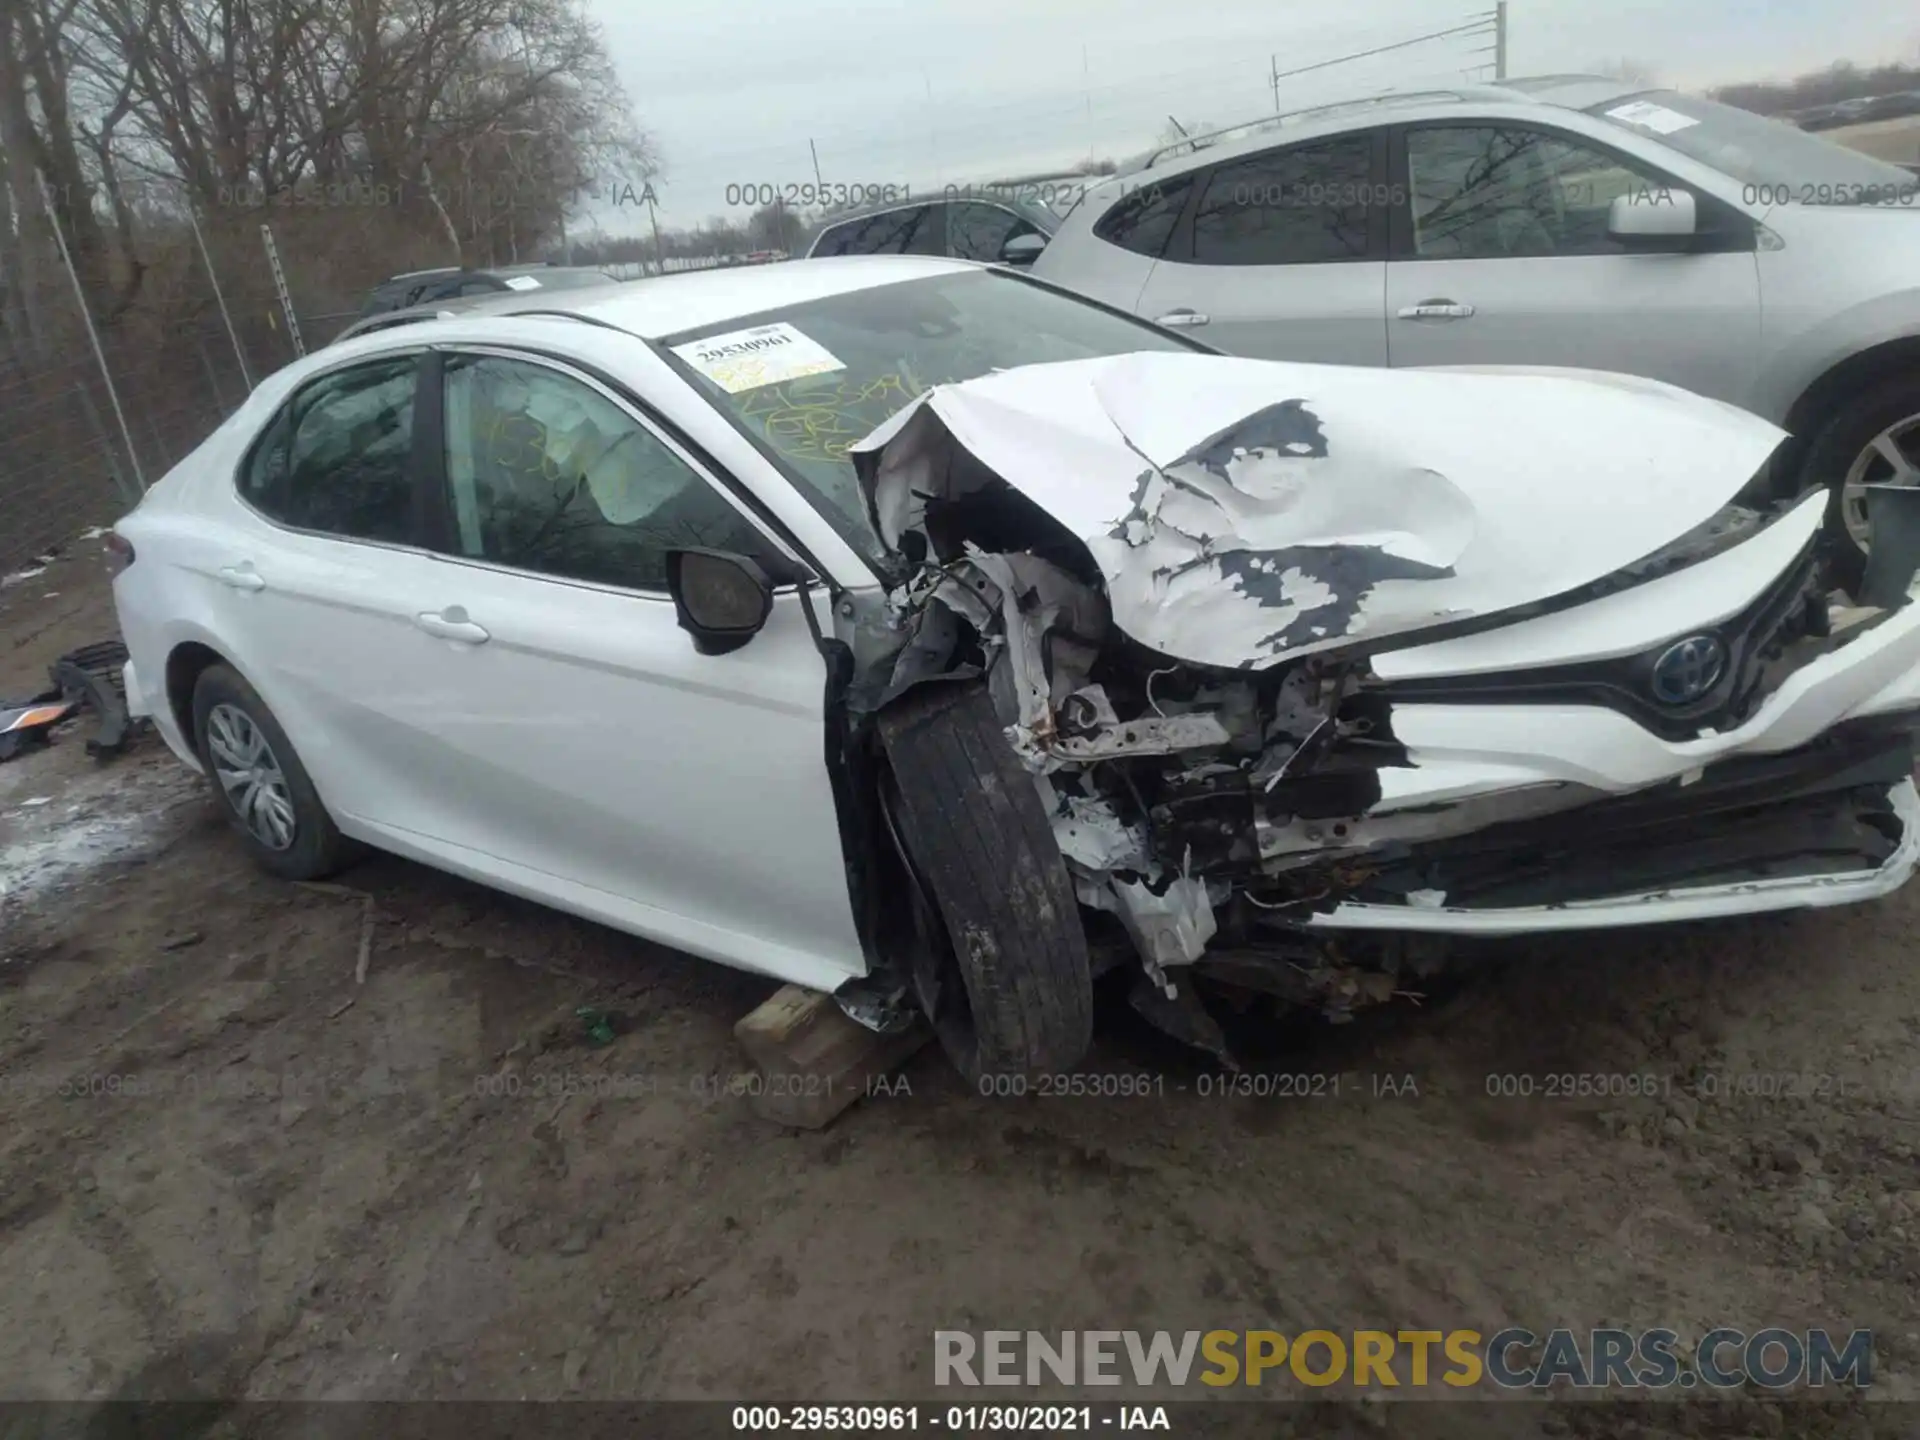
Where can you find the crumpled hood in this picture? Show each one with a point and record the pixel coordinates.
(1245, 512)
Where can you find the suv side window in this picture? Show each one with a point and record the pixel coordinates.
(977, 231)
(1497, 191)
(1143, 221)
(1309, 205)
(338, 458)
(549, 475)
(913, 230)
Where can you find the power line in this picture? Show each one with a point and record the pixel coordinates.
(1475, 27)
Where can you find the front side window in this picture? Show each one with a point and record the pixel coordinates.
(1310, 205)
(338, 458)
(1484, 192)
(979, 232)
(549, 475)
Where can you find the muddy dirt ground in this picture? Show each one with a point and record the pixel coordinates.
(310, 1188)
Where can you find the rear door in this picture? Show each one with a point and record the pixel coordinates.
(315, 582)
(1501, 256)
(1282, 254)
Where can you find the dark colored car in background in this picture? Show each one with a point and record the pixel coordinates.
(1009, 229)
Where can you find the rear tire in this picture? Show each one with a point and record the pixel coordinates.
(1839, 450)
(272, 806)
(979, 841)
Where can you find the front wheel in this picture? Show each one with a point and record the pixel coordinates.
(1001, 966)
(1873, 439)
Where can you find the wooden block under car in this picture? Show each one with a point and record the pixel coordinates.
(812, 1061)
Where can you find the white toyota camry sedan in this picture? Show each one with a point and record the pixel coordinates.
(915, 631)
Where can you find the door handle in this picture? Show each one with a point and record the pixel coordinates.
(451, 624)
(1181, 319)
(242, 577)
(1437, 310)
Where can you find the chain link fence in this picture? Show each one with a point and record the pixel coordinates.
(98, 403)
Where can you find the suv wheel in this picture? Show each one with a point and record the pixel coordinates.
(1874, 439)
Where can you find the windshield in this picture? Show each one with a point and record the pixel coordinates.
(807, 381)
(1778, 164)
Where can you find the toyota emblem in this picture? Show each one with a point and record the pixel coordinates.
(1688, 669)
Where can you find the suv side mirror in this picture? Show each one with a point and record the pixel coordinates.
(1023, 249)
(722, 599)
(1667, 219)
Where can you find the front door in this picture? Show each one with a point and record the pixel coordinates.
(1501, 256)
(582, 737)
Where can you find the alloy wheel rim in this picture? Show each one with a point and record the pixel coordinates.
(1890, 458)
(250, 776)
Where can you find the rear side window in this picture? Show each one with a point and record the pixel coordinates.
(1144, 220)
(1309, 205)
(338, 458)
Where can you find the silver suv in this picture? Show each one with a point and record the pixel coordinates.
(1569, 221)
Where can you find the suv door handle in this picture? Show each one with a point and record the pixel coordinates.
(242, 577)
(1437, 310)
(451, 624)
(1181, 319)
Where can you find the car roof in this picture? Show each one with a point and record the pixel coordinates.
(1336, 112)
(498, 300)
(668, 304)
(662, 305)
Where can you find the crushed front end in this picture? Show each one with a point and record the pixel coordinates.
(1700, 730)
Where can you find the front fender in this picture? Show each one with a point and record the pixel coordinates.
(1798, 363)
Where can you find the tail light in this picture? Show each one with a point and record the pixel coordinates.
(119, 552)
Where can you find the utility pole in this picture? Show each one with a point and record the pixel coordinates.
(1500, 40)
(659, 249)
(1273, 62)
(818, 183)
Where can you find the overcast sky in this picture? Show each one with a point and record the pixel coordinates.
(926, 92)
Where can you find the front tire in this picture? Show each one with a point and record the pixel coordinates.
(259, 782)
(1872, 439)
(1004, 975)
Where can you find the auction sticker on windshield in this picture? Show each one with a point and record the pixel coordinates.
(1657, 118)
(765, 355)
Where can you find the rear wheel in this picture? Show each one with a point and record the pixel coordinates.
(1001, 968)
(260, 782)
(1874, 439)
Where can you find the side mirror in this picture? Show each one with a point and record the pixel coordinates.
(722, 599)
(1023, 249)
(1666, 219)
